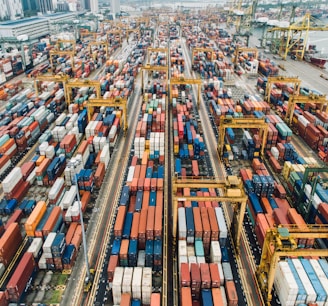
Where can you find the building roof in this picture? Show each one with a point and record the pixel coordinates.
(19, 22)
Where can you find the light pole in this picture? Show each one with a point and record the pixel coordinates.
(88, 277)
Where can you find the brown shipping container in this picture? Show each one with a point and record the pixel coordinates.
(213, 223)
(27, 168)
(215, 275)
(155, 299)
(52, 219)
(280, 216)
(3, 299)
(9, 243)
(119, 222)
(35, 217)
(205, 222)
(85, 200)
(125, 299)
(186, 299)
(43, 166)
(206, 276)
(112, 264)
(70, 232)
(77, 238)
(184, 275)
(20, 277)
(135, 226)
(150, 223)
(195, 280)
(217, 297)
(231, 292)
(198, 223)
(15, 217)
(99, 174)
(142, 229)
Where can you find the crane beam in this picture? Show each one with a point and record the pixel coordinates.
(73, 83)
(183, 81)
(116, 102)
(242, 123)
(295, 99)
(281, 79)
(152, 68)
(228, 193)
(60, 53)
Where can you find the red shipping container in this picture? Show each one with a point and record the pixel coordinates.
(21, 276)
(215, 275)
(184, 275)
(15, 218)
(231, 293)
(205, 275)
(195, 280)
(112, 264)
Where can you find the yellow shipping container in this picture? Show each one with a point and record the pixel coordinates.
(147, 144)
(256, 154)
(35, 217)
(40, 160)
(176, 149)
(190, 147)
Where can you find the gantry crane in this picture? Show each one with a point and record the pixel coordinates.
(183, 81)
(198, 50)
(295, 81)
(163, 50)
(73, 83)
(290, 39)
(52, 78)
(93, 35)
(302, 206)
(231, 189)
(239, 123)
(113, 32)
(152, 68)
(240, 50)
(115, 102)
(61, 53)
(281, 242)
(65, 41)
(129, 31)
(99, 43)
(295, 99)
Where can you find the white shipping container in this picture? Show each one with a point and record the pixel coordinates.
(48, 243)
(192, 259)
(117, 284)
(105, 155)
(127, 280)
(146, 285)
(200, 259)
(311, 294)
(31, 178)
(42, 262)
(5, 167)
(50, 152)
(53, 192)
(215, 252)
(35, 247)
(11, 180)
(183, 248)
(224, 296)
(221, 273)
(2, 269)
(182, 223)
(321, 276)
(130, 174)
(141, 258)
(69, 197)
(221, 222)
(136, 283)
(11, 149)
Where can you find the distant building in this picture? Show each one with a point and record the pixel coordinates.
(11, 9)
(45, 6)
(94, 7)
(63, 7)
(115, 7)
(30, 5)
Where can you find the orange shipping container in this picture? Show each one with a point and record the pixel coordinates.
(125, 299)
(119, 222)
(35, 217)
(42, 168)
(155, 299)
(135, 226)
(51, 222)
(186, 296)
(70, 232)
(77, 238)
(142, 228)
(150, 223)
(124, 249)
(217, 297)
(231, 292)
(40, 160)
(112, 264)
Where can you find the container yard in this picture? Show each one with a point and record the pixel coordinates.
(162, 160)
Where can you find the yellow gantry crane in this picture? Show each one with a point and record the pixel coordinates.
(52, 78)
(65, 41)
(129, 31)
(295, 37)
(281, 242)
(295, 81)
(295, 99)
(152, 68)
(183, 81)
(114, 32)
(197, 50)
(116, 102)
(87, 34)
(61, 53)
(99, 43)
(240, 50)
(256, 123)
(163, 50)
(73, 83)
(231, 190)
